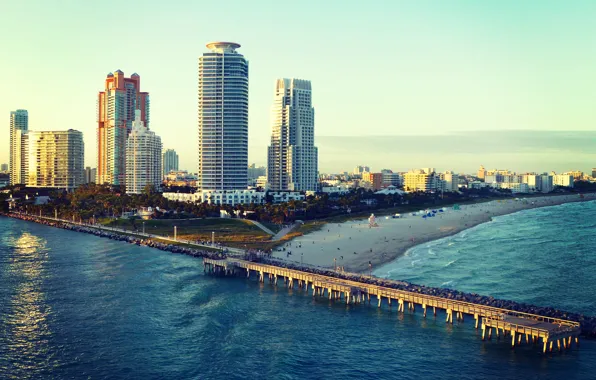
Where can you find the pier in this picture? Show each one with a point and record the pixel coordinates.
(509, 324)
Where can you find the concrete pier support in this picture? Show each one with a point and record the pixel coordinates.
(513, 339)
(347, 295)
(483, 331)
(434, 311)
(449, 318)
(400, 305)
(389, 302)
(550, 347)
(380, 298)
(330, 293)
(545, 344)
(476, 321)
(490, 333)
(424, 309)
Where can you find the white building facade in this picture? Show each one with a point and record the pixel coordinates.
(143, 157)
(292, 160)
(223, 118)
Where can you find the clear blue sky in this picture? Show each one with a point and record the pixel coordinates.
(378, 68)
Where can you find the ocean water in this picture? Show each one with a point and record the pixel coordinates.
(78, 306)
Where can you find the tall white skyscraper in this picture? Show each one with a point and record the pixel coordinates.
(170, 161)
(292, 156)
(143, 157)
(19, 125)
(223, 118)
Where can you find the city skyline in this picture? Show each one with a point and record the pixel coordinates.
(460, 68)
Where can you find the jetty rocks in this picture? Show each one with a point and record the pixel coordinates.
(588, 323)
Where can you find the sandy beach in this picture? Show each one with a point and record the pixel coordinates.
(353, 244)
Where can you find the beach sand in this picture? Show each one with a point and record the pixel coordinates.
(353, 244)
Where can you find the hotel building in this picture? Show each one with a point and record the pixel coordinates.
(19, 125)
(292, 157)
(223, 118)
(55, 159)
(116, 107)
(143, 157)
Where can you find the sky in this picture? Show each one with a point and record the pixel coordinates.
(381, 71)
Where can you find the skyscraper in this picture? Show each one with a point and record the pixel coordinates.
(170, 161)
(4, 168)
(116, 107)
(19, 125)
(292, 157)
(143, 157)
(56, 159)
(223, 118)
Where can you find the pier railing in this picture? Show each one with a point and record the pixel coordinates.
(478, 310)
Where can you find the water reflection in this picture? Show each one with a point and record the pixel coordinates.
(26, 318)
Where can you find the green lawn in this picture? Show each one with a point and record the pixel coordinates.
(232, 232)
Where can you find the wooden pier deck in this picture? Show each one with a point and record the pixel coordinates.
(504, 322)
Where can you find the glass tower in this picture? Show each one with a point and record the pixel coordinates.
(223, 118)
(19, 125)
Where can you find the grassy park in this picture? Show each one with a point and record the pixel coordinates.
(238, 233)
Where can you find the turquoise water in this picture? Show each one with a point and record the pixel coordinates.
(543, 256)
(78, 306)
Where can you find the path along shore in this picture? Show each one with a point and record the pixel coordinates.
(352, 245)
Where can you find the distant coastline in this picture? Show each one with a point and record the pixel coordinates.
(353, 245)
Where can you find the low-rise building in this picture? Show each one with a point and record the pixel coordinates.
(563, 180)
(375, 180)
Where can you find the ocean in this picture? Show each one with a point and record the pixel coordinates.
(78, 306)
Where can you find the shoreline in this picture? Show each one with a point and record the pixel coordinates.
(353, 244)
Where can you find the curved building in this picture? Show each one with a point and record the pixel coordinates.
(223, 118)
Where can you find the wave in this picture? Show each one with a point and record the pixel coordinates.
(450, 263)
(447, 283)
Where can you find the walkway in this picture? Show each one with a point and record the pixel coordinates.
(265, 229)
(283, 232)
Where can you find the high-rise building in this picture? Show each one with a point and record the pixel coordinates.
(593, 172)
(223, 118)
(116, 107)
(481, 172)
(292, 156)
(56, 159)
(4, 168)
(143, 157)
(90, 175)
(170, 161)
(19, 125)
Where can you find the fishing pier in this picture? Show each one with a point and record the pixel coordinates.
(509, 324)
